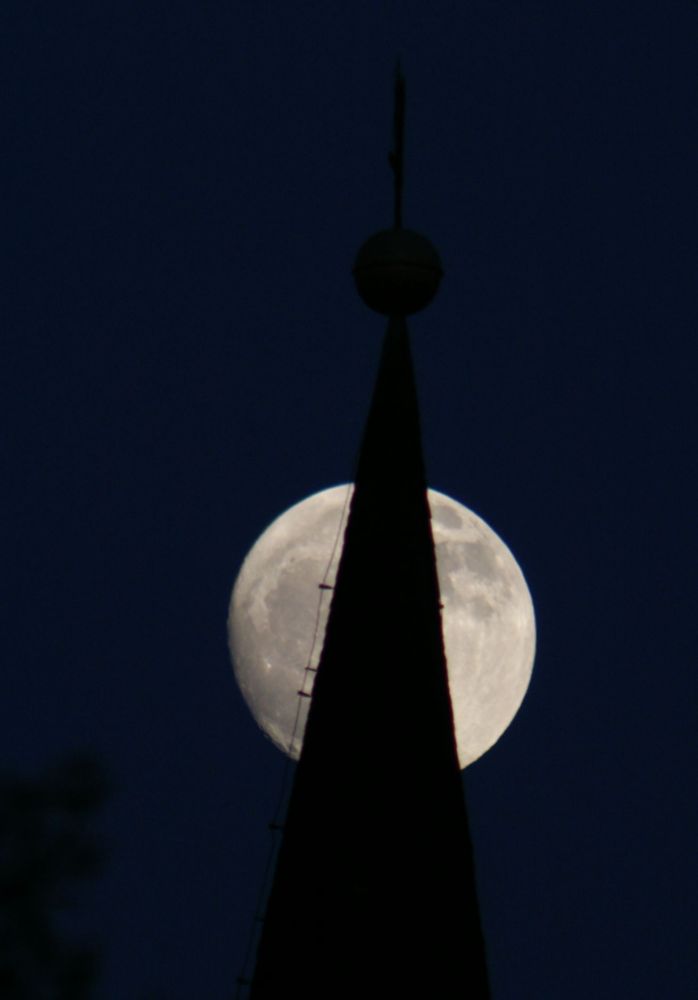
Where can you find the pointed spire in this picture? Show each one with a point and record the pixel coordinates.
(374, 892)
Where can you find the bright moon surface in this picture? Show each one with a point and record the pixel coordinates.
(278, 613)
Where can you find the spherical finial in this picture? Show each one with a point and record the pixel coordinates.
(397, 272)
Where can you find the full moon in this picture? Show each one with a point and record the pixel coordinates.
(281, 600)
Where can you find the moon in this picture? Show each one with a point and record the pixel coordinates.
(280, 604)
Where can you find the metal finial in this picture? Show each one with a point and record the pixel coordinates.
(396, 156)
(397, 271)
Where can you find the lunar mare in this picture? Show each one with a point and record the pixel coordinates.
(278, 613)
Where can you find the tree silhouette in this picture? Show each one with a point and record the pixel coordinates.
(45, 847)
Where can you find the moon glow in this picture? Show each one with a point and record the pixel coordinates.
(278, 613)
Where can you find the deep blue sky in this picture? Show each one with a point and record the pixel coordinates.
(184, 186)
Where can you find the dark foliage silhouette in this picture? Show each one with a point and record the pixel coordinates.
(46, 847)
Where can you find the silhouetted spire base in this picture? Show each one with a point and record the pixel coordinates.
(374, 893)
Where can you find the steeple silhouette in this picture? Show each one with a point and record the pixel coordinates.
(374, 891)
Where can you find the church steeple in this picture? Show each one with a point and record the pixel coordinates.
(374, 892)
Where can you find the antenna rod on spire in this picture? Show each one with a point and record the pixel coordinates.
(396, 155)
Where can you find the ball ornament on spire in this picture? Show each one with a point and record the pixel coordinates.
(397, 272)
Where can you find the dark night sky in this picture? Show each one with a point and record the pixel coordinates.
(184, 186)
